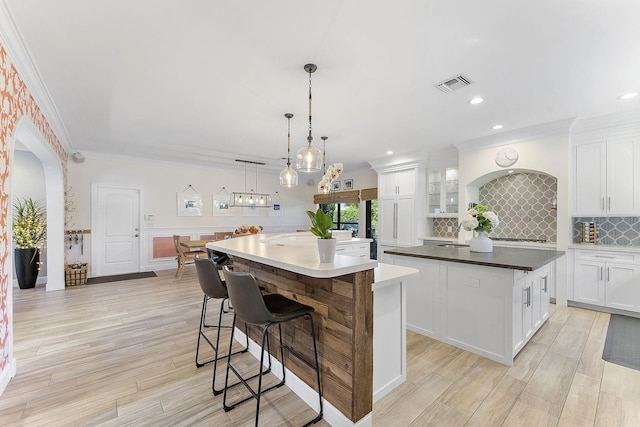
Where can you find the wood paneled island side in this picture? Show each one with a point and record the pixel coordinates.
(341, 294)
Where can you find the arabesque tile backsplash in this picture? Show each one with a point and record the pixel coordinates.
(617, 231)
(524, 203)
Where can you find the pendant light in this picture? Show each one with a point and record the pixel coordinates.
(288, 177)
(251, 198)
(309, 158)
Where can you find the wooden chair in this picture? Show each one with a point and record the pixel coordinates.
(185, 257)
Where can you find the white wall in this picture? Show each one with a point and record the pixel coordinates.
(160, 183)
(28, 181)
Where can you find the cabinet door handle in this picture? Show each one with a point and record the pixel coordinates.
(529, 296)
(607, 274)
(395, 220)
(601, 268)
(545, 278)
(609, 203)
(524, 297)
(603, 203)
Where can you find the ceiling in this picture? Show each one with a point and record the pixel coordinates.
(204, 82)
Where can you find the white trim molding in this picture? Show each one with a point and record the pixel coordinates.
(22, 59)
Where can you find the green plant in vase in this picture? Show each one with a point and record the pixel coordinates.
(29, 229)
(321, 224)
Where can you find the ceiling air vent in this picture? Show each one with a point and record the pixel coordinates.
(453, 83)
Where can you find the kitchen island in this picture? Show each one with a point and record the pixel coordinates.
(342, 294)
(488, 303)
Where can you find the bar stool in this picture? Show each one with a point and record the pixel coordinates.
(265, 311)
(214, 288)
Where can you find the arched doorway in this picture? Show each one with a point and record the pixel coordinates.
(29, 135)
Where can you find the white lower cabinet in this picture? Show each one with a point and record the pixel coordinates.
(358, 250)
(530, 304)
(608, 279)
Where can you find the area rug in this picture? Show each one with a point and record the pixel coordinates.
(622, 345)
(120, 277)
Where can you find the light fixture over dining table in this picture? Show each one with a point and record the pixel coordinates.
(251, 198)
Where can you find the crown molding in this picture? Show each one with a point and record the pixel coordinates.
(606, 127)
(219, 165)
(21, 58)
(398, 161)
(518, 135)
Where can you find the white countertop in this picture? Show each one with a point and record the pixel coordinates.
(301, 258)
(305, 238)
(389, 274)
(611, 248)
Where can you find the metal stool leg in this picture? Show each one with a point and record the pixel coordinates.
(242, 380)
(256, 394)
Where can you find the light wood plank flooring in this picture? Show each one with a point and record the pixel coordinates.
(122, 354)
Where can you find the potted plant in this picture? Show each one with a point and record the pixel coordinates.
(320, 226)
(29, 232)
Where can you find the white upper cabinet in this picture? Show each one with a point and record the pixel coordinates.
(442, 192)
(608, 178)
(398, 183)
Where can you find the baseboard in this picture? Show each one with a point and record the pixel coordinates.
(330, 413)
(602, 309)
(6, 375)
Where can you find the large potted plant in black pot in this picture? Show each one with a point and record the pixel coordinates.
(29, 232)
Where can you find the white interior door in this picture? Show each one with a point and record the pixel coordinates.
(116, 225)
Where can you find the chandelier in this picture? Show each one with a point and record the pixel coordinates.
(288, 177)
(251, 198)
(309, 158)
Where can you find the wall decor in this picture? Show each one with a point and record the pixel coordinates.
(348, 184)
(189, 202)
(276, 210)
(220, 207)
(335, 185)
(221, 203)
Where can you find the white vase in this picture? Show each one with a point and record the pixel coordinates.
(481, 243)
(327, 249)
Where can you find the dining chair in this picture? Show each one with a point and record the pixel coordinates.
(185, 257)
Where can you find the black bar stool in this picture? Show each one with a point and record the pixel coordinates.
(265, 310)
(214, 288)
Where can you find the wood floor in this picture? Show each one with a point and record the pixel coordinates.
(123, 354)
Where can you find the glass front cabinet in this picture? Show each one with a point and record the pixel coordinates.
(442, 192)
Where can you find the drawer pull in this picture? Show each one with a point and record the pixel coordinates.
(604, 256)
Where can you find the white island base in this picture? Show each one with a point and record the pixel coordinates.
(486, 310)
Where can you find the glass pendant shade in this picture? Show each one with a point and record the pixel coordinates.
(309, 159)
(288, 177)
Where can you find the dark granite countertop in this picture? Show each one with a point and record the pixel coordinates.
(511, 258)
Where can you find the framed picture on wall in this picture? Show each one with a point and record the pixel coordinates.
(348, 184)
(336, 186)
(220, 207)
(189, 204)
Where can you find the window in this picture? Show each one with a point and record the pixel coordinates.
(345, 216)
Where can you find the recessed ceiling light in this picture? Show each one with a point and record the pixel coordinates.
(628, 95)
(389, 152)
(497, 127)
(476, 100)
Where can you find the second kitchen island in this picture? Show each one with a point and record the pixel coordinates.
(488, 303)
